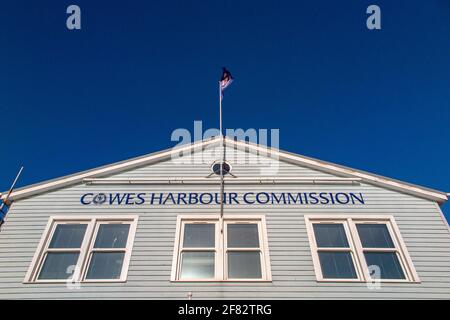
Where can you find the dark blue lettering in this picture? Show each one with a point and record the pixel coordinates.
(130, 196)
(169, 196)
(298, 196)
(258, 197)
(181, 197)
(345, 196)
(354, 196)
(332, 198)
(232, 197)
(322, 196)
(246, 199)
(306, 197)
(85, 195)
(191, 198)
(278, 200)
(117, 197)
(312, 195)
(140, 197)
(152, 200)
(206, 194)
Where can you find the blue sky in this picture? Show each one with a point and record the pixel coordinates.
(373, 100)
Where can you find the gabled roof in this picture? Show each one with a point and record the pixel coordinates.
(295, 159)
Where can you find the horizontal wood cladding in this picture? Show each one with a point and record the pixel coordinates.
(422, 227)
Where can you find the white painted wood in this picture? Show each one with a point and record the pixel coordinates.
(273, 155)
(419, 221)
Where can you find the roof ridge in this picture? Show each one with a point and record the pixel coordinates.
(158, 156)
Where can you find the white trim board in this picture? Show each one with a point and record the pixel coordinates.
(384, 182)
(332, 168)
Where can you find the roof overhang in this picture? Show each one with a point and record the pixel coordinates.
(332, 168)
(273, 153)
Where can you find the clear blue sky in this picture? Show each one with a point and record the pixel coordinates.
(137, 70)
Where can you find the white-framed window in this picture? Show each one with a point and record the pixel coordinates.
(203, 253)
(84, 249)
(358, 248)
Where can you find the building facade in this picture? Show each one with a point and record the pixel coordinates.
(292, 228)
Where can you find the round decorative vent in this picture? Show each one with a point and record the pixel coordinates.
(226, 168)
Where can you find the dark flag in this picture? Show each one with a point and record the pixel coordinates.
(225, 81)
(4, 207)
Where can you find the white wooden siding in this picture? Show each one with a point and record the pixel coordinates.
(425, 234)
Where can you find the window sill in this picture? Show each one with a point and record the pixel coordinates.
(363, 281)
(221, 281)
(73, 282)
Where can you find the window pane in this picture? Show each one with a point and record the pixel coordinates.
(199, 235)
(374, 236)
(197, 265)
(337, 265)
(105, 265)
(58, 265)
(112, 236)
(244, 265)
(330, 235)
(388, 263)
(243, 236)
(68, 236)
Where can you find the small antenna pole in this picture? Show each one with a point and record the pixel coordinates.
(6, 201)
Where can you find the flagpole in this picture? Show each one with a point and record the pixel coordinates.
(222, 142)
(220, 109)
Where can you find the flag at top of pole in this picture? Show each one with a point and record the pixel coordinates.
(225, 81)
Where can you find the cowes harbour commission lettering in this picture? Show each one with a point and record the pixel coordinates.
(230, 198)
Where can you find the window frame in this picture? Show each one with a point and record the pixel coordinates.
(360, 263)
(351, 249)
(227, 249)
(214, 249)
(220, 262)
(86, 248)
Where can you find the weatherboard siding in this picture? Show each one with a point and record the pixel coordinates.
(424, 232)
